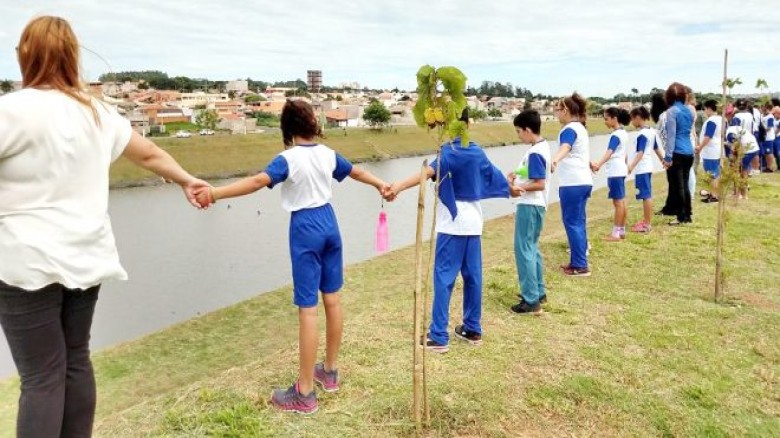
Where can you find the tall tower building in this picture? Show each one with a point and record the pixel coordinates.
(314, 79)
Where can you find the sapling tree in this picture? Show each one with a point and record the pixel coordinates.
(440, 104)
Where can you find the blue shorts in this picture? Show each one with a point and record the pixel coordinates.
(712, 167)
(746, 161)
(769, 147)
(644, 186)
(727, 151)
(617, 187)
(777, 146)
(316, 253)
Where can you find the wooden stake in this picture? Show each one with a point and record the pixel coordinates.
(723, 190)
(419, 348)
(427, 286)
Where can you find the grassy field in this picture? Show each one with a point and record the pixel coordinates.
(638, 349)
(222, 156)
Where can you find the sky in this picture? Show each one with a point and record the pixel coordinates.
(596, 47)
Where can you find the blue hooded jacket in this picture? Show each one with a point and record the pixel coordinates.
(468, 175)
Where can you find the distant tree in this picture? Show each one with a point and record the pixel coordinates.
(528, 104)
(231, 94)
(207, 119)
(635, 91)
(143, 85)
(495, 113)
(376, 115)
(266, 119)
(251, 98)
(478, 114)
(6, 86)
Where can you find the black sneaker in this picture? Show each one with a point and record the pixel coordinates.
(472, 338)
(709, 199)
(524, 308)
(433, 346)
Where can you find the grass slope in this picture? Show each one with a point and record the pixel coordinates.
(638, 349)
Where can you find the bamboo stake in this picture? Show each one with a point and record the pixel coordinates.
(427, 286)
(419, 348)
(723, 189)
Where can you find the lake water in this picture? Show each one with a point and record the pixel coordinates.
(183, 262)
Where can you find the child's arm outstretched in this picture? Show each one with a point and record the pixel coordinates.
(366, 177)
(412, 181)
(241, 187)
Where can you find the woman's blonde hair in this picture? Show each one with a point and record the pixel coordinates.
(48, 55)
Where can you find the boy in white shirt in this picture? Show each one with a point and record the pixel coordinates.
(710, 148)
(528, 185)
(767, 148)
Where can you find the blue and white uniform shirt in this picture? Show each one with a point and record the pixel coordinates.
(744, 120)
(645, 143)
(307, 173)
(769, 123)
(746, 139)
(712, 129)
(537, 161)
(574, 168)
(616, 165)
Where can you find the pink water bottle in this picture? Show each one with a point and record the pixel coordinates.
(382, 238)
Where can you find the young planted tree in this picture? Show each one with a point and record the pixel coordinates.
(731, 177)
(440, 103)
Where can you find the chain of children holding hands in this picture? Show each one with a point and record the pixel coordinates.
(49, 288)
(306, 167)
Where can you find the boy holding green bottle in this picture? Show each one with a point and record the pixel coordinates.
(529, 185)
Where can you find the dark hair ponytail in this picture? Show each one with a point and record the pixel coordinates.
(577, 107)
(620, 114)
(640, 112)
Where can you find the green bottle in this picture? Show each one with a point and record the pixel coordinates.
(522, 172)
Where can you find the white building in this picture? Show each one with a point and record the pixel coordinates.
(200, 98)
(239, 86)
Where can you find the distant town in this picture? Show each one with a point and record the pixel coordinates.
(158, 105)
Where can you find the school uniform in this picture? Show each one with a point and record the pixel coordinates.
(748, 142)
(710, 154)
(575, 184)
(768, 121)
(645, 142)
(467, 176)
(617, 170)
(529, 219)
(305, 173)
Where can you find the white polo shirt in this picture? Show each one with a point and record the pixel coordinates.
(54, 160)
(712, 128)
(574, 168)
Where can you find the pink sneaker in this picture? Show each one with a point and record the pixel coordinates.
(641, 227)
(329, 380)
(291, 400)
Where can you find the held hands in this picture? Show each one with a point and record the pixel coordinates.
(204, 196)
(553, 166)
(594, 167)
(667, 165)
(387, 193)
(193, 191)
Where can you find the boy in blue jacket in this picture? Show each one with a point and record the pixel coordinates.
(468, 176)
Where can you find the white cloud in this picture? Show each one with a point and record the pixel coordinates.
(552, 47)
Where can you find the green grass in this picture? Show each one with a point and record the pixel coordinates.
(638, 349)
(223, 156)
